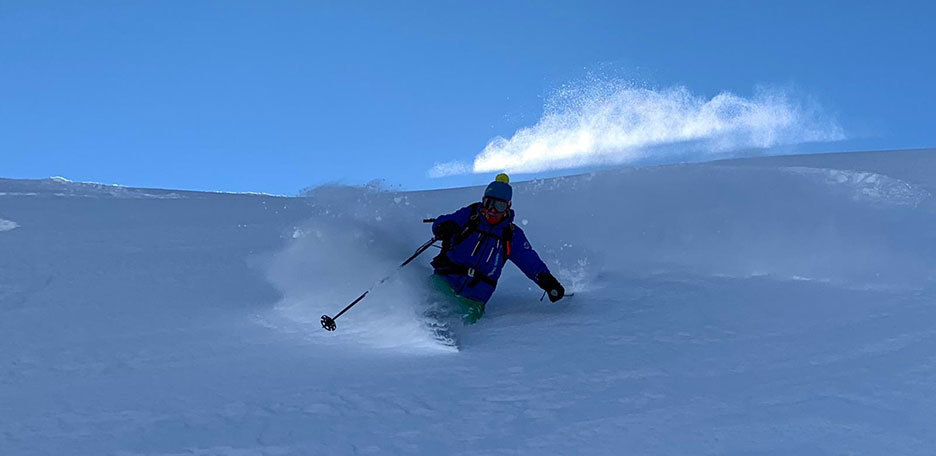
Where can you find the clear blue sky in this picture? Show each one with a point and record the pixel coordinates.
(276, 96)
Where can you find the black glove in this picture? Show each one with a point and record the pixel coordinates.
(553, 288)
(446, 230)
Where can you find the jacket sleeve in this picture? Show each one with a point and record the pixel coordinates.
(523, 255)
(460, 217)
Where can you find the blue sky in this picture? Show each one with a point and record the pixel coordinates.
(277, 96)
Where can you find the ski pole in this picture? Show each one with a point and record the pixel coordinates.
(329, 322)
(567, 295)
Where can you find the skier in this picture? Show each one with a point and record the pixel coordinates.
(477, 241)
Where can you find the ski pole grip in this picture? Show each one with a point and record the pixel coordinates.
(429, 220)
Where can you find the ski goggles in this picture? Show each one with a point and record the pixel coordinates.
(495, 204)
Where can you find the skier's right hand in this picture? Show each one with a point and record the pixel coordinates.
(446, 230)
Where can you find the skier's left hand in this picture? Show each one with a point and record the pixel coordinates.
(551, 286)
(446, 231)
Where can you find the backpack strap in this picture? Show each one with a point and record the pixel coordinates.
(506, 238)
(474, 221)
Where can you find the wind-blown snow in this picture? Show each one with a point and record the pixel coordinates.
(7, 225)
(333, 262)
(780, 305)
(604, 122)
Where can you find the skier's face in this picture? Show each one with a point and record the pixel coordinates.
(494, 210)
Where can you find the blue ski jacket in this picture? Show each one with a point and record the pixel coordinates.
(471, 267)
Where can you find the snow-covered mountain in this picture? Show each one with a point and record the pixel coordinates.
(777, 305)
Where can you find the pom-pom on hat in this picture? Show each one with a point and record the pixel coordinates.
(500, 188)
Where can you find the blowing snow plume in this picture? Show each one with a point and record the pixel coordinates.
(356, 237)
(613, 123)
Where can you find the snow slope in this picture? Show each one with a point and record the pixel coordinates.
(779, 305)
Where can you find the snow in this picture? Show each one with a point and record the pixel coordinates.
(7, 225)
(779, 305)
(603, 121)
(870, 187)
(63, 188)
